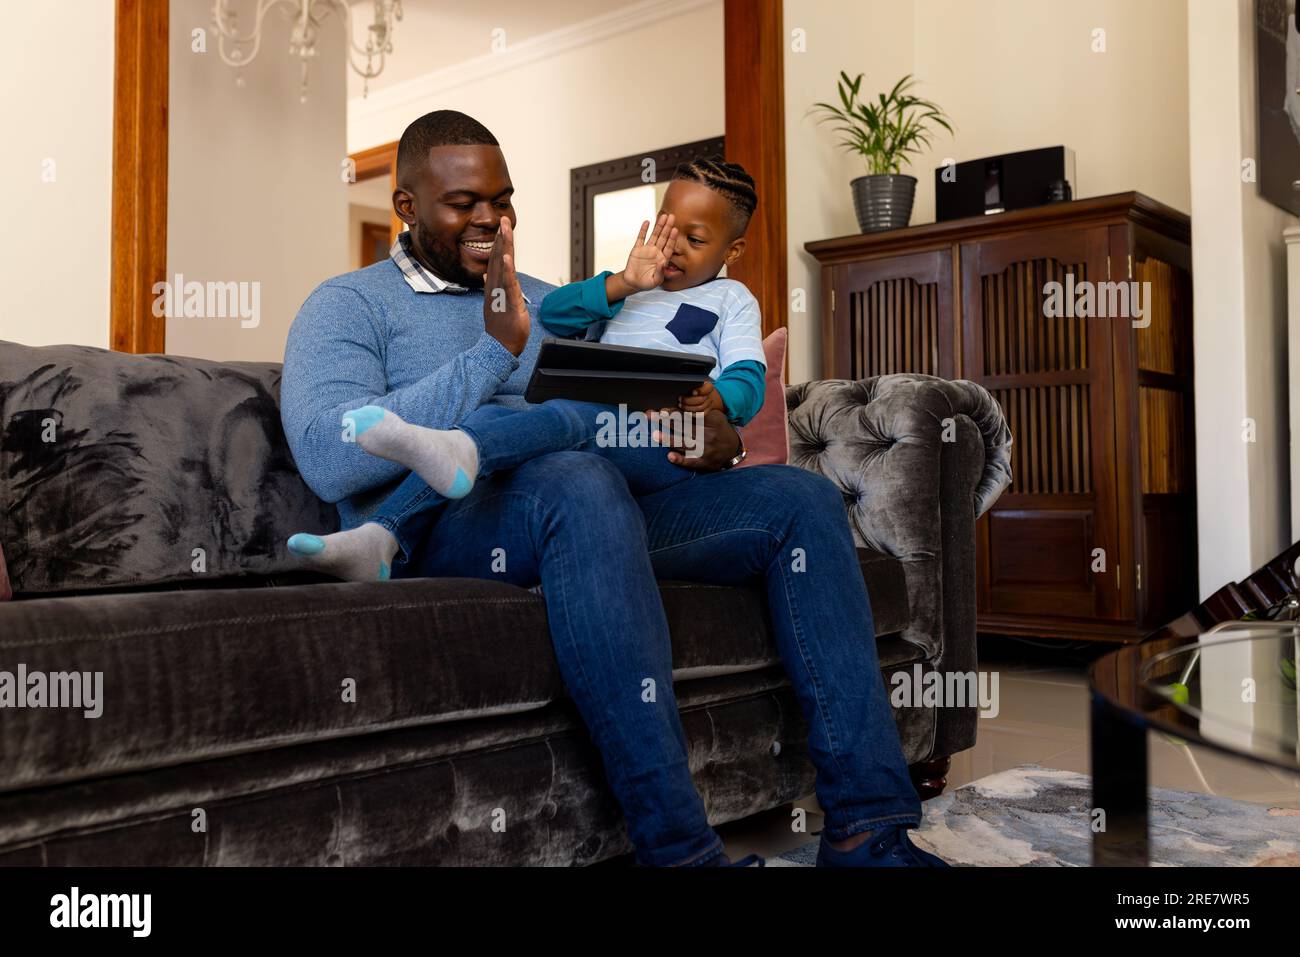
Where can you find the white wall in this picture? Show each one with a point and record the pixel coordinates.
(57, 77)
(633, 82)
(1012, 75)
(872, 37)
(1018, 74)
(255, 191)
(1240, 306)
(420, 40)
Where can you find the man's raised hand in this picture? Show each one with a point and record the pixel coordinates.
(505, 312)
(645, 264)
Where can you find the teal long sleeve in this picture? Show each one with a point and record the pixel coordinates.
(742, 386)
(570, 309)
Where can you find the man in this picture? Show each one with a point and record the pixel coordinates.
(446, 326)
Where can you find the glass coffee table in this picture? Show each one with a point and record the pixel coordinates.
(1232, 689)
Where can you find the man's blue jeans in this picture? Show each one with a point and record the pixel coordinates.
(506, 438)
(569, 521)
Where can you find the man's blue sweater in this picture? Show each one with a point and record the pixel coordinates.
(367, 338)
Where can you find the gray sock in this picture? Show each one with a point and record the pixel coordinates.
(362, 554)
(447, 459)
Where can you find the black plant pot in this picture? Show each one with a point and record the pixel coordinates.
(883, 201)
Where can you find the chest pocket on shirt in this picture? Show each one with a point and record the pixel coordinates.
(691, 324)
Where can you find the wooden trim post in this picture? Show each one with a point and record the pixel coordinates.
(754, 42)
(139, 218)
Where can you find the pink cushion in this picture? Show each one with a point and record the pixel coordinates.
(6, 592)
(765, 436)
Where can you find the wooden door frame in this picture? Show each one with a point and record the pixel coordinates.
(370, 233)
(379, 161)
(754, 51)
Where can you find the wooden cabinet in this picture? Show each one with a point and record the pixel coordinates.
(1077, 318)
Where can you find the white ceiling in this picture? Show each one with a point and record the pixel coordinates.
(434, 34)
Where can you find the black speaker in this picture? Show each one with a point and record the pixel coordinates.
(996, 184)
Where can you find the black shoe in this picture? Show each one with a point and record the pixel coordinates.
(888, 848)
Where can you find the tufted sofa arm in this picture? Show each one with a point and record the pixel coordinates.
(918, 459)
(881, 440)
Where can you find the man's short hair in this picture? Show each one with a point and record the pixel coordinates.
(439, 128)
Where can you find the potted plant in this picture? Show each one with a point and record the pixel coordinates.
(885, 131)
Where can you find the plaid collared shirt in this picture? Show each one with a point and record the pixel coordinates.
(417, 277)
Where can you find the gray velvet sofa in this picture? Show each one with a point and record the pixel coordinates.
(144, 503)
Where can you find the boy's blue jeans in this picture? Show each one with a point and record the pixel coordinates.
(507, 438)
(569, 521)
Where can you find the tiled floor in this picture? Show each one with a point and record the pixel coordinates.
(1043, 719)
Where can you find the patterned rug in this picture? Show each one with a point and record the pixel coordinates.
(1038, 817)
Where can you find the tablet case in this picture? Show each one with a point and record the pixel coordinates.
(613, 375)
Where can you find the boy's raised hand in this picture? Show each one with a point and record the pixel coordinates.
(645, 264)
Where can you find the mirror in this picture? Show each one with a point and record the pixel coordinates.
(615, 219)
(610, 200)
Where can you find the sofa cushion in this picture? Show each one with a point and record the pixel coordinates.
(330, 803)
(198, 673)
(121, 469)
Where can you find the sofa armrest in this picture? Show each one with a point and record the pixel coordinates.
(881, 440)
(918, 460)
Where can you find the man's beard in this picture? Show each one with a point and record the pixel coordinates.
(444, 258)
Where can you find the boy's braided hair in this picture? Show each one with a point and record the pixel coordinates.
(728, 179)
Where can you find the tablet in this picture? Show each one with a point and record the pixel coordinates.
(615, 375)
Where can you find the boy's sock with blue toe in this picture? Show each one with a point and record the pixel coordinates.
(447, 459)
(362, 554)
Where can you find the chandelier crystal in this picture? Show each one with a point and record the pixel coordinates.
(238, 50)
